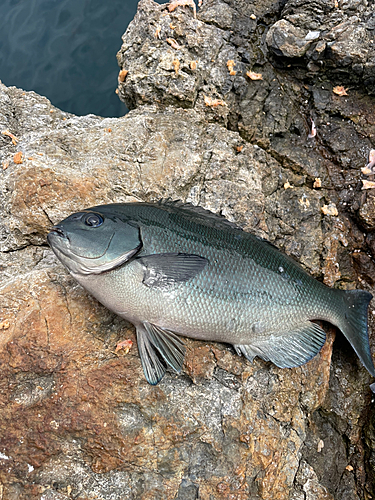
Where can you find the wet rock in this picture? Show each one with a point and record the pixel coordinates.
(78, 419)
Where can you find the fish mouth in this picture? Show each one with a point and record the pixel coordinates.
(58, 231)
(77, 264)
(63, 243)
(58, 239)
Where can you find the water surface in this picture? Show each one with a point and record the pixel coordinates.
(65, 50)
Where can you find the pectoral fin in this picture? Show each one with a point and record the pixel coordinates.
(168, 268)
(157, 348)
(289, 349)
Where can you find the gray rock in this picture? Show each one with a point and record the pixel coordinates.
(286, 40)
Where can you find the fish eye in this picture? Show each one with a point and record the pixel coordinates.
(94, 220)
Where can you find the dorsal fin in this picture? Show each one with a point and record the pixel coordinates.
(201, 214)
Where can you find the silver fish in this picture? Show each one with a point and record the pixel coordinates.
(174, 269)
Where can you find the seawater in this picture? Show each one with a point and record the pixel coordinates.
(65, 50)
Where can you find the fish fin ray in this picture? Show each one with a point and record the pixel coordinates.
(203, 215)
(249, 351)
(168, 344)
(354, 325)
(166, 269)
(288, 349)
(153, 368)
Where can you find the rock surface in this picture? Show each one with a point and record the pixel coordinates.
(77, 419)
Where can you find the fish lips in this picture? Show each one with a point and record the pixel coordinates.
(59, 242)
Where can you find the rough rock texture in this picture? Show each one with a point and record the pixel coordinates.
(78, 420)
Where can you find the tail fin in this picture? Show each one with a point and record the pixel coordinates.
(354, 326)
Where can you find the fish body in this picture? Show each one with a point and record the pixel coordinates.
(174, 269)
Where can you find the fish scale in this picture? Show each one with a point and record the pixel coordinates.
(174, 269)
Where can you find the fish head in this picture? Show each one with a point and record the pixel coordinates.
(94, 241)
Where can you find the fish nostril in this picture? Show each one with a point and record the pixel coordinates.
(57, 231)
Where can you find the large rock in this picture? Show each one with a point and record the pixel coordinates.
(78, 420)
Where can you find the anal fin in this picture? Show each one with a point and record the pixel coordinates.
(157, 349)
(288, 349)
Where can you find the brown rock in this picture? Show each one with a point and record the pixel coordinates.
(367, 211)
(18, 158)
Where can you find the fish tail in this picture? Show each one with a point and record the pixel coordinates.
(353, 324)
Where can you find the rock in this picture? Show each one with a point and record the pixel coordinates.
(341, 39)
(367, 211)
(286, 40)
(78, 419)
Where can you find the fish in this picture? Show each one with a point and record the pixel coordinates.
(178, 270)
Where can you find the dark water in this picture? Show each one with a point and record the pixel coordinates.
(65, 50)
